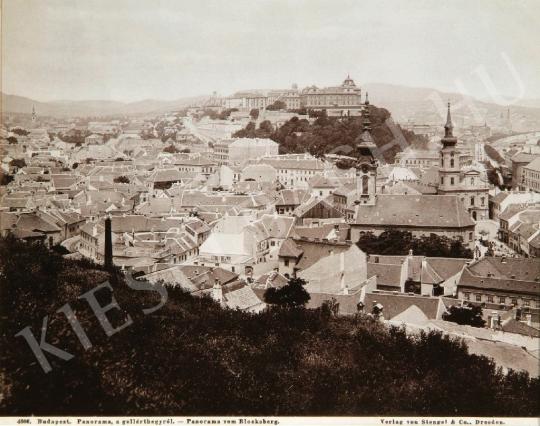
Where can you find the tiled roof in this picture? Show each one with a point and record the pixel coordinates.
(395, 304)
(442, 211)
(470, 281)
(387, 275)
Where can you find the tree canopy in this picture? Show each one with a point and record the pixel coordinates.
(193, 357)
(396, 242)
(291, 295)
(333, 134)
(465, 315)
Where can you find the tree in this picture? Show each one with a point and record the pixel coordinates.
(5, 179)
(18, 162)
(254, 113)
(20, 132)
(297, 362)
(12, 140)
(276, 106)
(171, 149)
(395, 242)
(266, 127)
(121, 179)
(291, 295)
(465, 315)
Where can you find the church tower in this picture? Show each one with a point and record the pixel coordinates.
(34, 115)
(366, 166)
(449, 168)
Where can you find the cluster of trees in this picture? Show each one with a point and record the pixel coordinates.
(396, 242)
(121, 179)
(265, 130)
(331, 134)
(291, 295)
(465, 315)
(193, 357)
(75, 136)
(277, 106)
(19, 131)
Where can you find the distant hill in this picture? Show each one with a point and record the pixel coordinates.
(22, 105)
(421, 106)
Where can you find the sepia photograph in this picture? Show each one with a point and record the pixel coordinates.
(269, 212)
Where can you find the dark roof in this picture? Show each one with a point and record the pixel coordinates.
(513, 326)
(527, 269)
(468, 280)
(388, 275)
(441, 211)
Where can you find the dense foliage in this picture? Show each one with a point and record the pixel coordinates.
(400, 242)
(291, 295)
(333, 135)
(193, 357)
(465, 315)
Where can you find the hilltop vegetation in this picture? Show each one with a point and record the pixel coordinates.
(334, 135)
(192, 357)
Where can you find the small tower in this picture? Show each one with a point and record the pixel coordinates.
(449, 168)
(366, 167)
(34, 116)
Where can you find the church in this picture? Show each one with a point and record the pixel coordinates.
(422, 215)
(468, 182)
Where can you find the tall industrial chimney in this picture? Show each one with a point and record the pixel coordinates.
(108, 244)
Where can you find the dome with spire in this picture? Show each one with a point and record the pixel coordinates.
(348, 81)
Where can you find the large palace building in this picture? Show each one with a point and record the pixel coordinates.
(343, 100)
(338, 100)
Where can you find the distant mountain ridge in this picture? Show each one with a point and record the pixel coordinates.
(22, 105)
(421, 105)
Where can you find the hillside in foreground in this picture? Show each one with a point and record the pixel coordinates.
(192, 357)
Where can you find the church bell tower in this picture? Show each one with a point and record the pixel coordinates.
(449, 167)
(366, 166)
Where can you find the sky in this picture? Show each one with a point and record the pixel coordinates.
(129, 50)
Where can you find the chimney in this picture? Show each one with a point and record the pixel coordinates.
(108, 244)
(343, 286)
(217, 292)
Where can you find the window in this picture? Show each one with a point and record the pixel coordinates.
(470, 236)
(452, 162)
(482, 201)
(472, 201)
(451, 181)
(286, 262)
(478, 297)
(472, 181)
(527, 302)
(490, 299)
(502, 300)
(466, 296)
(514, 301)
(442, 180)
